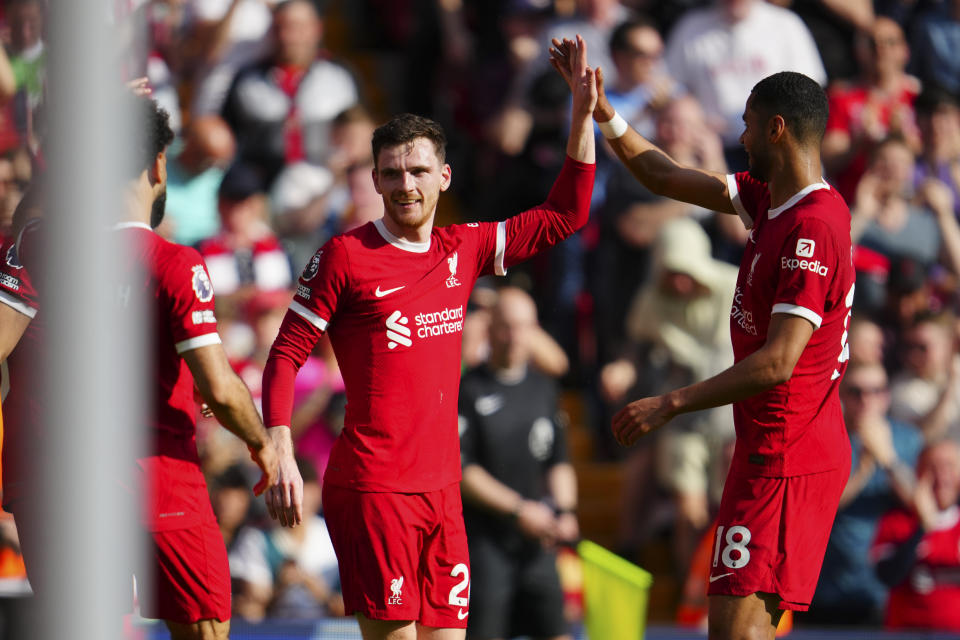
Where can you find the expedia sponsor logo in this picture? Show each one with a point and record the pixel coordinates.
(814, 266)
(742, 317)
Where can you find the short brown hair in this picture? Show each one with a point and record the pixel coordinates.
(404, 129)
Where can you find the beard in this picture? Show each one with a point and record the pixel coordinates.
(158, 209)
(759, 166)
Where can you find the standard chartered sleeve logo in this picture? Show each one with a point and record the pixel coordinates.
(397, 331)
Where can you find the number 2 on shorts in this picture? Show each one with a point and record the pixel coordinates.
(737, 539)
(455, 598)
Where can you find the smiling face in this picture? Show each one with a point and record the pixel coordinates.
(409, 177)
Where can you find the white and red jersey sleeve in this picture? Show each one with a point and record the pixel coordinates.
(188, 293)
(16, 290)
(748, 196)
(808, 259)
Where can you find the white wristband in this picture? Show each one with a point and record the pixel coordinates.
(613, 128)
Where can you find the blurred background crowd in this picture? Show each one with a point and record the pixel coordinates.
(274, 103)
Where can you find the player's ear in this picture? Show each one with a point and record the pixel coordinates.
(158, 171)
(445, 177)
(776, 126)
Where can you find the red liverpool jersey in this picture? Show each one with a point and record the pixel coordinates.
(797, 261)
(19, 404)
(394, 310)
(176, 280)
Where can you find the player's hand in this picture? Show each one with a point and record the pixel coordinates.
(266, 458)
(284, 499)
(640, 418)
(569, 58)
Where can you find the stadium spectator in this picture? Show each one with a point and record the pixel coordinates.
(632, 216)
(719, 53)
(519, 490)
(884, 454)
(280, 108)
(867, 345)
(394, 471)
(222, 37)
(924, 392)
(288, 573)
(885, 220)
(833, 25)
(678, 327)
(878, 107)
(230, 498)
(194, 175)
(934, 41)
(938, 118)
(916, 548)
(245, 258)
(788, 328)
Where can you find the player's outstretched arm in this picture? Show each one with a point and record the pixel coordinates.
(770, 365)
(230, 401)
(569, 58)
(649, 164)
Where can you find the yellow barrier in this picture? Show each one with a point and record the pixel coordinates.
(615, 594)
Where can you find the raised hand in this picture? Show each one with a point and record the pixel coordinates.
(569, 58)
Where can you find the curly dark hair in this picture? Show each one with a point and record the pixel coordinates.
(798, 99)
(404, 129)
(153, 124)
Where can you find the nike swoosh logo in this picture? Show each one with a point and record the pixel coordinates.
(462, 614)
(722, 575)
(386, 292)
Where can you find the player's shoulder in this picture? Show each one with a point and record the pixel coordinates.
(826, 206)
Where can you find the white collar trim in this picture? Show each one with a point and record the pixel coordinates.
(131, 225)
(400, 243)
(797, 197)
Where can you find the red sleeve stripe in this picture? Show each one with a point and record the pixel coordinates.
(797, 310)
(18, 304)
(498, 266)
(734, 192)
(308, 315)
(196, 342)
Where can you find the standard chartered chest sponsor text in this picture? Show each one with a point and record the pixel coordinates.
(438, 323)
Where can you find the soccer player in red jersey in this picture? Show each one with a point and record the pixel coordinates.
(190, 590)
(392, 294)
(789, 328)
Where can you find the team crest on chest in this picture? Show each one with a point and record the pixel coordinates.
(452, 264)
(313, 266)
(201, 284)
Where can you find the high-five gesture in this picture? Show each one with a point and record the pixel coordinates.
(569, 57)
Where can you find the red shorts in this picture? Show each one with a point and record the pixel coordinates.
(402, 556)
(772, 534)
(191, 576)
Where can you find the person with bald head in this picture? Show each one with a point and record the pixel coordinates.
(519, 491)
(917, 549)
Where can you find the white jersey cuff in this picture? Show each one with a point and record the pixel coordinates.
(498, 266)
(18, 304)
(797, 310)
(198, 341)
(308, 315)
(734, 193)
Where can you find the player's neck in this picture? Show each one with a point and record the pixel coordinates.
(137, 203)
(411, 234)
(797, 169)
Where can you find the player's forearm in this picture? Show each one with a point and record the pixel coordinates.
(581, 145)
(482, 489)
(234, 409)
(279, 376)
(760, 371)
(646, 161)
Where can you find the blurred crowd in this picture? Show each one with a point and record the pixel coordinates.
(274, 103)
